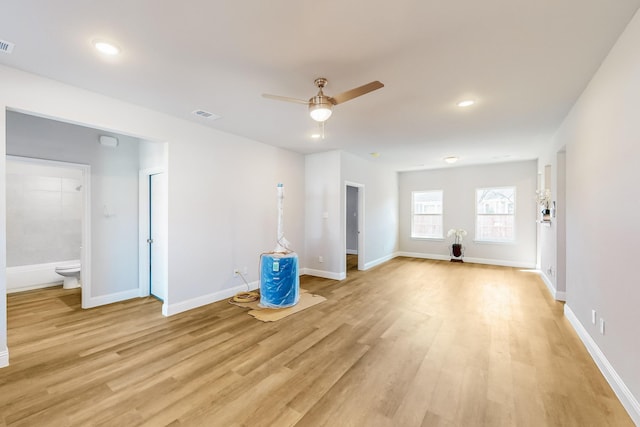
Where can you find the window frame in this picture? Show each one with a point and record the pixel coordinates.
(414, 214)
(477, 238)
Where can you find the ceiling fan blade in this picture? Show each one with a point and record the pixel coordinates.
(354, 93)
(285, 98)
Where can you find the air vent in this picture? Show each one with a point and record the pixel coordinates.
(6, 47)
(206, 115)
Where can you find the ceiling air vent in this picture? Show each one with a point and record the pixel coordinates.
(6, 47)
(206, 115)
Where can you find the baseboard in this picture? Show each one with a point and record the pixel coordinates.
(379, 261)
(323, 274)
(111, 298)
(171, 309)
(500, 262)
(4, 358)
(34, 287)
(352, 252)
(423, 255)
(558, 296)
(621, 390)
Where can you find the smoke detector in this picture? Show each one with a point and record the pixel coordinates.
(206, 115)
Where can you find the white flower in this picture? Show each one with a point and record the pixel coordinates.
(543, 197)
(458, 233)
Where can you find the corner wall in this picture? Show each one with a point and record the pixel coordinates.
(601, 135)
(327, 175)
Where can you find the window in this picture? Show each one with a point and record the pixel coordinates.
(495, 214)
(426, 214)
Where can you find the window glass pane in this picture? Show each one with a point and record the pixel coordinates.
(427, 226)
(495, 214)
(496, 200)
(496, 228)
(426, 218)
(427, 202)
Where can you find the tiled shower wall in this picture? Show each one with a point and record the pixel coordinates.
(43, 218)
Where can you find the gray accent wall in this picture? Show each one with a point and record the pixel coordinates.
(352, 219)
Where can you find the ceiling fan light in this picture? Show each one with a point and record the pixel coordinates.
(320, 109)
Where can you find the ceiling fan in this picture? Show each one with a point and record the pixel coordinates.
(320, 105)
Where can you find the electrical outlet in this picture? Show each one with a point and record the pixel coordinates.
(236, 272)
(320, 258)
(602, 326)
(593, 317)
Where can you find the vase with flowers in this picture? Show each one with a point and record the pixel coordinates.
(543, 197)
(456, 249)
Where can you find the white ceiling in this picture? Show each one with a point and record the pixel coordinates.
(525, 62)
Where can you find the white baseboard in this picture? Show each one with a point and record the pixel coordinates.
(379, 261)
(171, 309)
(621, 390)
(4, 357)
(34, 287)
(558, 296)
(500, 262)
(352, 252)
(324, 274)
(423, 255)
(111, 298)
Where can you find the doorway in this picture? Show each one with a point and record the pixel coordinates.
(48, 225)
(153, 233)
(354, 227)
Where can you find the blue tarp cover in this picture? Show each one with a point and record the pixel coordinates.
(279, 280)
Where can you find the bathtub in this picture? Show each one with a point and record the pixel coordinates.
(27, 277)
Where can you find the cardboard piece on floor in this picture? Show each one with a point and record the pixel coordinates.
(273, 314)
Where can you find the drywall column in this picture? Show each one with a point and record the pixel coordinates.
(4, 351)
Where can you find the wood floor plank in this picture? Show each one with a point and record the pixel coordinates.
(411, 342)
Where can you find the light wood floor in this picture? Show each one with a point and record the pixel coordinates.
(409, 343)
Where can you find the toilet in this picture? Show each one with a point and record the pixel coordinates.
(71, 274)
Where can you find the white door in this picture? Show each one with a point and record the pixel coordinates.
(158, 235)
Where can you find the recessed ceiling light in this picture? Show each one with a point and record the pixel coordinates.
(466, 103)
(106, 47)
(315, 135)
(451, 159)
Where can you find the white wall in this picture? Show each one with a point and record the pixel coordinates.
(327, 175)
(380, 208)
(114, 192)
(4, 350)
(602, 135)
(222, 188)
(44, 206)
(459, 185)
(323, 215)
